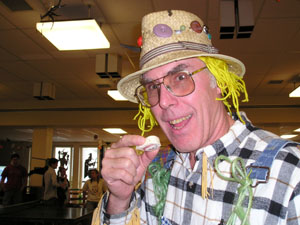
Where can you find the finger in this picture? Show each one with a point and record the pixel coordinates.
(125, 152)
(147, 157)
(129, 140)
(120, 163)
(116, 175)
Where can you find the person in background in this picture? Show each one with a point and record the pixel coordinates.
(224, 169)
(62, 193)
(51, 184)
(16, 176)
(94, 188)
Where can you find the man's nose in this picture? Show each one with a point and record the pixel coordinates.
(166, 98)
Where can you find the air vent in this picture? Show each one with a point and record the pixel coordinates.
(44, 91)
(275, 81)
(103, 86)
(16, 5)
(108, 66)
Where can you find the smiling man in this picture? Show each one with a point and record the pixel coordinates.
(224, 170)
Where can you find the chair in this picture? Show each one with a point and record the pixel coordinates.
(76, 198)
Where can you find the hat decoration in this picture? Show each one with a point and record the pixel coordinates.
(168, 36)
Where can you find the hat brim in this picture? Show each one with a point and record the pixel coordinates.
(127, 85)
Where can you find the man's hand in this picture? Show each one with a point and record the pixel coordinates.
(122, 169)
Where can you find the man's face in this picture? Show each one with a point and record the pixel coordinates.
(192, 121)
(15, 161)
(54, 165)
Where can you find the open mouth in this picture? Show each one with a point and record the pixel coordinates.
(179, 123)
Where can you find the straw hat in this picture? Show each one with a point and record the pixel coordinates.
(169, 36)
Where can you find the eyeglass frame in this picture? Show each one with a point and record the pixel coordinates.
(169, 89)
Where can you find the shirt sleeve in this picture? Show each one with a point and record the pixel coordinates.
(85, 186)
(25, 174)
(47, 178)
(54, 180)
(117, 219)
(293, 216)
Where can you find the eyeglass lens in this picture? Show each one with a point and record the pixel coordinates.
(179, 84)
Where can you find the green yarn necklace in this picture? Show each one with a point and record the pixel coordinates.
(160, 179)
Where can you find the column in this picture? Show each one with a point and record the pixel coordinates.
(41, 150)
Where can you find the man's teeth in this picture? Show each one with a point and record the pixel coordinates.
(173, 122)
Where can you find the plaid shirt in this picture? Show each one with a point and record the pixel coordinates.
(275, 202)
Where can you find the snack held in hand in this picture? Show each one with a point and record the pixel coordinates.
(151, 143)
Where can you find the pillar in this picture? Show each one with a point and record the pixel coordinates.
(41, 150)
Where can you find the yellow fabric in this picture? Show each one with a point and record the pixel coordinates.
(135, 217)
(96, 213)
(204, 192)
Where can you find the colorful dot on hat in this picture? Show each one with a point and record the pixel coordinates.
(182, 27)
(196, 26)
(162, 30)
(209, 36)
(140, 41)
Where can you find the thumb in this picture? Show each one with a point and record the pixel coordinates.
(148, 156)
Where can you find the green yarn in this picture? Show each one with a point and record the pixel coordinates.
(160, 178)
(239, 175)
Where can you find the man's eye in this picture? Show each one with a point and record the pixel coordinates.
(151, 86)
(181, 76)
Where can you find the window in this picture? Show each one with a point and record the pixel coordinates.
(63, 154)
(90, 159)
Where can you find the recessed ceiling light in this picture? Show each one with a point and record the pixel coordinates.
(297, 130)
(295, 93)
(288, 136)
(115, 130)
(115, 94)
(74, 34)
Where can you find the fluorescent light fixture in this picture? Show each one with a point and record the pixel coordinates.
(115, 94)
(295, 93)
(115, 130)
(288, 136)
(297, 130)
(74, 34)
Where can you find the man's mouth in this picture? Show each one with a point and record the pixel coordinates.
(178, 123)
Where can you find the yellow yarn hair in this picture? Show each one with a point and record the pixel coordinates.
(145, 116)
(231, 85)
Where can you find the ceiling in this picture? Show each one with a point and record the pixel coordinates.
(271, 56)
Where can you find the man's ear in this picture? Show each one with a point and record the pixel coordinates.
(219, 92)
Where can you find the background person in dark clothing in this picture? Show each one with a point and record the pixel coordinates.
(16, 176)
(62, 192)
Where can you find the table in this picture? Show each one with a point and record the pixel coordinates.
(37, 213)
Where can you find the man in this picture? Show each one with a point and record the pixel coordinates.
(51, 184)
(16, 176)
(185, 83)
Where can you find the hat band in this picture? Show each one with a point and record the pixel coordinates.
(182, 45)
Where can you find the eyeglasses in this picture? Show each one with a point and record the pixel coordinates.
(179, 84)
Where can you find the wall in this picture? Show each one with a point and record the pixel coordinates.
(7, 148)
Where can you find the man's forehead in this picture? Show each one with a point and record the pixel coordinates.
(169, 68)
(163, 71)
